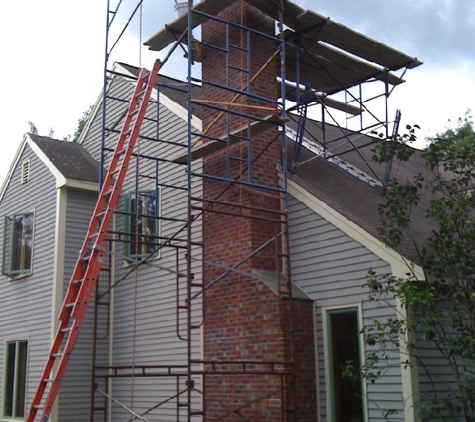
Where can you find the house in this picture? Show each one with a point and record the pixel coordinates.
(213, 301)
(46, 201)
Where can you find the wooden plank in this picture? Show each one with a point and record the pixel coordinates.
(331, 71)
(316, 27)
(171, 32)
(320, 98)
(364, 70)
(310, 24)
(210, 147)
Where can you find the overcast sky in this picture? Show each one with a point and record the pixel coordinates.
(52, 54)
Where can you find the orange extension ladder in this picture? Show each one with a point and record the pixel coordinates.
(93, 250)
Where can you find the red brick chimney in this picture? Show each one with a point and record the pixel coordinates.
(242, 318)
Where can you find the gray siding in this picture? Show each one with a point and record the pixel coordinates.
(145, 319)
(331, 268)
(75, 394)
(26, 303)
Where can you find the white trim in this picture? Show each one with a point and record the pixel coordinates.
(80, 184)
(13, 166)
(60, 179)
(173, 106)
(409, 375)
(58, 271)
(400, 266)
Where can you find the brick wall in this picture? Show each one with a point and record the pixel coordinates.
(241, 314)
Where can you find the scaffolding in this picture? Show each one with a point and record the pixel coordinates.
(198, 263)
(246, 115)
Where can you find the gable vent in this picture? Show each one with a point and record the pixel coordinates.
(25, 171)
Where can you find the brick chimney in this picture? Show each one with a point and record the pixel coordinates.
(242, 317)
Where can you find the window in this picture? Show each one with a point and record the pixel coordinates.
(345, 395)
(142, 224)
(15, 379)
(25, 171)
(18, 244)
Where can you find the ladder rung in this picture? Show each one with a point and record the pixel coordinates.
(141, 93)
(123, 150)
(65, 330)
(92, 267)
(145, 76)
(115, 171)
(135, 112)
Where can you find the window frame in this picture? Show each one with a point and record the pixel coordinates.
(8, 258)
(129, 214)
(328, 356)
(16, 383)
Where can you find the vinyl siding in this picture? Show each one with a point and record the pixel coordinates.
(26, 303)
(331, 268)
(436, 378)
(145, 300)
(75, 394)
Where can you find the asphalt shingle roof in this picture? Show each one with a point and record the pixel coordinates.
(70, 158)
(356, 201)
(174, 89)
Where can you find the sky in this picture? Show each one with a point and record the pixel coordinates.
(52, 54)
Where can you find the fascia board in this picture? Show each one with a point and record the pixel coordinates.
(173, 106)
(399, 267)
(399, 264)
(60, 179)
(81, 184)
(97, 105)
(13, 166)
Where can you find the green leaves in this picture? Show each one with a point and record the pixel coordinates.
(441, 308)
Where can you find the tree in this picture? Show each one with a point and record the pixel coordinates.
(82, 124)
(77, 133)
(439, 309)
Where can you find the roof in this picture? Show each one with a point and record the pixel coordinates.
(174, 89)
(70, 158)
(330, 48)
(353, 199)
